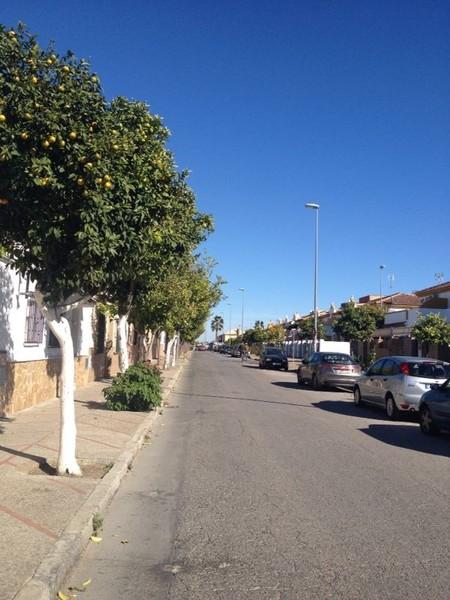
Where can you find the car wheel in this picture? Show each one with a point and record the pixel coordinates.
(426, 421)
(391, 408)
(315, 382)
(286, 369)
(299, 379)
(357, 396)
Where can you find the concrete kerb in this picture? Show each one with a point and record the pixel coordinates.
(51, 573)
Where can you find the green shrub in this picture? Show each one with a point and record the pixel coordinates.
(138, 389)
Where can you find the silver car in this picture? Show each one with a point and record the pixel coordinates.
(397, 383)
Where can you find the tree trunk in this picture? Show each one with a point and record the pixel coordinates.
(161, 347)
(123, 346)
(175, 351)
(170, 344)
(59, 325)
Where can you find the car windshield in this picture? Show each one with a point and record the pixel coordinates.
(429, 370)
(274, 352)
(337, 359)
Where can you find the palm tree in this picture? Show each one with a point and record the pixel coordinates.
(217, 324)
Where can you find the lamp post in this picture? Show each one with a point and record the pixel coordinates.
(229, 318)
(242, 315)
(381, 280)
(315, 207)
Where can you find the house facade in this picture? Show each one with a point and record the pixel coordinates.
(30, 357)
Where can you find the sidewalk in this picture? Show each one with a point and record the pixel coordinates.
(36, 506)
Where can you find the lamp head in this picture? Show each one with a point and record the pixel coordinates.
(312, 205)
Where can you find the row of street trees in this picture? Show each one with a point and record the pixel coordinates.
(93, 207)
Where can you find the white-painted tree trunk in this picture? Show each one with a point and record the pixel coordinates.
(175, 351)
(59, 325)
(168, 360)
(124, 362)
(161, 347)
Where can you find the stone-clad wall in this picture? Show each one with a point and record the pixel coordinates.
(30, 383)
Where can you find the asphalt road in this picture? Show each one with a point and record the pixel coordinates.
(252, 488)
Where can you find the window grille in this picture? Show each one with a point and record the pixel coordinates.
(34, 323)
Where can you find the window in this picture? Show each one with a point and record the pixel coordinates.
(337, 359)
(34, 323)
(389, 368)
(375, 369)
(429, 370)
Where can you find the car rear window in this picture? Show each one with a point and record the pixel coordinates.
(274, 352)
(429, 370)
(337, 359)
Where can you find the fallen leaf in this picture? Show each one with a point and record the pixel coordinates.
(87, 582)
(62, 596)
(96, 539)
(124, 541)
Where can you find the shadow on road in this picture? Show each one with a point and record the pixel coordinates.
(289, 385)
(350, 410)
(363, 411)
(405, 436)
(241, 398)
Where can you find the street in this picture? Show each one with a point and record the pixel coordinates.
(251, 487)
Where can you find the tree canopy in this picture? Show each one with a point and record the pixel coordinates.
(432, 329)
(358, 323)
(90, 197)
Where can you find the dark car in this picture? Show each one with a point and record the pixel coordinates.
(236, 351)
(434, 409)
(328, 369)
(273, 358)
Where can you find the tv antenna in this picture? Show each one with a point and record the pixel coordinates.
(439, 277)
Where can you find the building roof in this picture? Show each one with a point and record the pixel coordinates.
(434, 289)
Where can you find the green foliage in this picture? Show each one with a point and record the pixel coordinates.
(138, 389)
(432, 329)
(179, 302)
(217, 324)
(306, 329)
(90, 199)
(257, 335)
(276, 334)
(358, 323)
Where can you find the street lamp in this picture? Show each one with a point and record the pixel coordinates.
(242, 315)
(229, 318)
(315, 207)
(381, 278)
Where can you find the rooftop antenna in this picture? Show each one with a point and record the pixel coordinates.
(391, 278)
(439, 277)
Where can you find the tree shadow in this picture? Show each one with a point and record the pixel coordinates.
(411, 438)
(40, 460)
(241, 399)
(347, 408)
(93, 404)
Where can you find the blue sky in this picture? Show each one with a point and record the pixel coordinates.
(273, 104)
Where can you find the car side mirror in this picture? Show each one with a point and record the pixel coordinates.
(305, 361)
(435, 386)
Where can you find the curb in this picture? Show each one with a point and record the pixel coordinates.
(48, 577)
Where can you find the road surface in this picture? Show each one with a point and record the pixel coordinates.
(252, 488)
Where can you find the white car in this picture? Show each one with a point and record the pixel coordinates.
(397, 383)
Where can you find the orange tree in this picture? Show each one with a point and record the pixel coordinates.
(89, 197)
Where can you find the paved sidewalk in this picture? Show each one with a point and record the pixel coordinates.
(36, 505)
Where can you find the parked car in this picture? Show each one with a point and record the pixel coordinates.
(273, 358)
(434, 409)
(328, 369)
(201, 347)
(236, 351)
(397, 383)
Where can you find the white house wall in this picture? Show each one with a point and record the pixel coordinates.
(13, 310)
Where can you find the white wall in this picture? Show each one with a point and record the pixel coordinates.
(410, 316)
(13, 307)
